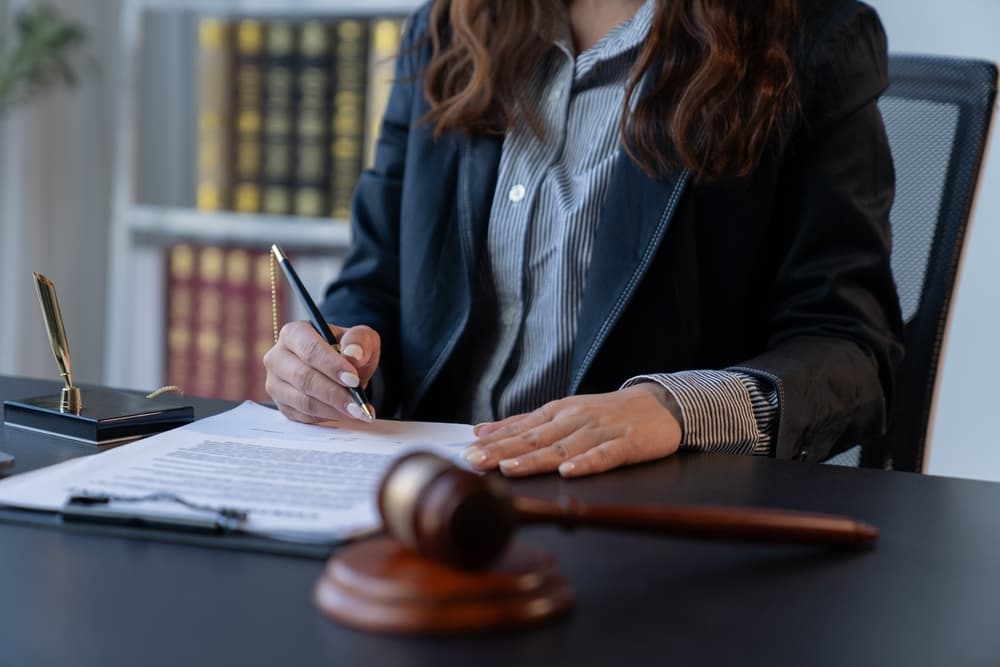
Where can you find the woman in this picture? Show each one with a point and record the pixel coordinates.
(608, 229)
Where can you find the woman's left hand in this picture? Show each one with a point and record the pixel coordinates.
(582, 435)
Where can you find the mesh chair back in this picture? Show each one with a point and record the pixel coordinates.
(937, 113)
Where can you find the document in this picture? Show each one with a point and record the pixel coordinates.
(302, 482)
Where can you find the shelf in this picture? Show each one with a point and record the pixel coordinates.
(153, 225)
(284, 7)
(160, 33)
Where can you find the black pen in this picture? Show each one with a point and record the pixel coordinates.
(321, 326)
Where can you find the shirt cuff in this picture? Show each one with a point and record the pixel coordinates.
(723, 411)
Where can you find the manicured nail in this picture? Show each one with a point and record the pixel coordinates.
(349, 379)
(566, 467)
(355, 411)
(353, 351)
(507, 465)
(475, 429)
(474, 456)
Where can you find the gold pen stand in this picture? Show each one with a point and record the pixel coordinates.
(98, 416)
(70, 401)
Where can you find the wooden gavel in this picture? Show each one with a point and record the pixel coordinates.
(466, 520)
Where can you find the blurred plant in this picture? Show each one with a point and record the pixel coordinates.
(38, 55)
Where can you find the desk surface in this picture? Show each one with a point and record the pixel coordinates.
(928, 595)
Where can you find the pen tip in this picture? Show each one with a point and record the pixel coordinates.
(368, 411)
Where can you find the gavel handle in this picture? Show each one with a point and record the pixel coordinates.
(741, 524)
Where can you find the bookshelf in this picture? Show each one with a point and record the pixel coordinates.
(154, 185)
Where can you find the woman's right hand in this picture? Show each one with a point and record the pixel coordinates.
(308, 379)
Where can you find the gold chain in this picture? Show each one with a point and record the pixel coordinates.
(274, 298)
(171, 388)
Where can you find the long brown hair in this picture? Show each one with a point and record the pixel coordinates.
(722, 87)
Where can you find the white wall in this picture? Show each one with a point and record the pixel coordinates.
(55, 183)
(965, 440)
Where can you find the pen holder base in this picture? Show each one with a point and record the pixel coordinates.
(380, 586)
(103, 416)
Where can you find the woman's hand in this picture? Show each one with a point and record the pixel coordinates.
(582, 435)
(307, 378)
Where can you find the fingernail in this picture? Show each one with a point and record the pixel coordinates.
(350, 379)
(475, 429)
(353, 351)
(355, 411)
(509, 464)
(566, 467)
(474, 456)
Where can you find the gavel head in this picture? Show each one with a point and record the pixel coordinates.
(444, 512)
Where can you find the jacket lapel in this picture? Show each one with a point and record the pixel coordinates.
(635, 217)
(477, 165)
(479, 161)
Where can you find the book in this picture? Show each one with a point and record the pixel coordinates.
(246, 122)
(207, 323)
(386, 36)
(180, 314)
(234, 352)
(349, 97)
(279, 111)
(213, 173)
(313, 93)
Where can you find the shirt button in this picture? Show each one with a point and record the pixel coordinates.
(516, 193)
(555, 95)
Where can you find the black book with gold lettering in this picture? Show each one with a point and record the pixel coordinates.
(247, 121)
(313, 97)
(279, 116)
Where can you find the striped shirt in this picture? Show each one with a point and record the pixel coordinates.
(542, 225)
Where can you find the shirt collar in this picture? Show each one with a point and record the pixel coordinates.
(624, 37)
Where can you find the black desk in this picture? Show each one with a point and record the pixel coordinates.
(928, 595)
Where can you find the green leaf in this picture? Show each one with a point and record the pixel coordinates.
(41, 54)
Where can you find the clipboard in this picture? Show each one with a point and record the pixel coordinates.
(315, 498)
(142, 528)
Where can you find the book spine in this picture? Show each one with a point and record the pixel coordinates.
(350, 67)
(234, 352)
(208, 322)
(213, 175)
(279, 114)
(313, 92)
(386, 35)
(247, 91)
(180, 315)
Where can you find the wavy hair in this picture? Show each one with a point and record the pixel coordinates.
(721, 83)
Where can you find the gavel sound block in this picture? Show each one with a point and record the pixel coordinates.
(449, 565)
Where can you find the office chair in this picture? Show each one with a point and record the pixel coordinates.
(937, 113)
